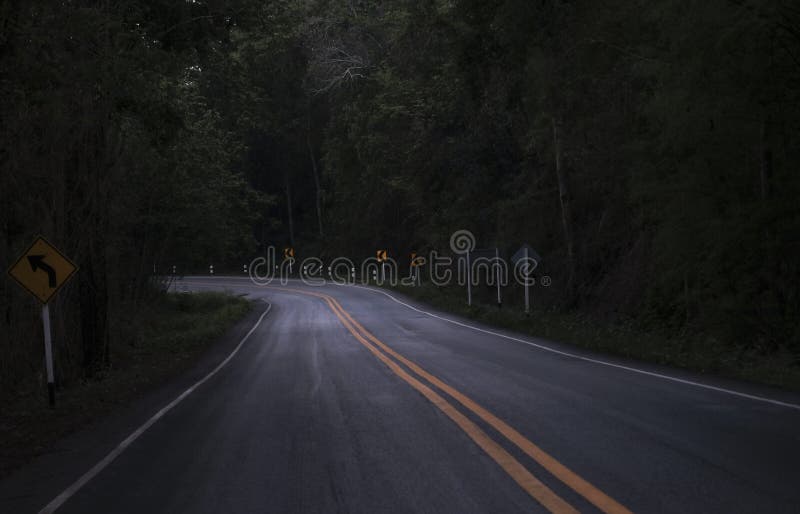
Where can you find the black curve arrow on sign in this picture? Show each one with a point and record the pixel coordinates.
(37, 263)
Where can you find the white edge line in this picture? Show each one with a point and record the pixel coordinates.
(587, 359)
(59, 500)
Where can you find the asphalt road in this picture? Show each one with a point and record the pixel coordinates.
(344, 399)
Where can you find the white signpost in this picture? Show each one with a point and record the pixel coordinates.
(499, 277)
(531, 260)
(43, 270)
(469, 279)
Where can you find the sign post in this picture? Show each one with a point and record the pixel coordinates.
(469, 280)
(42, 270)
(499, 276)
(527, 294)
(416, 262)
(383, 256)
(48, 355)
(530, 260)
(288, 254)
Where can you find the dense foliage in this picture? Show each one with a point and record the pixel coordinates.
(647, 149)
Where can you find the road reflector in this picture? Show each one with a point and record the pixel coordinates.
(42, 270)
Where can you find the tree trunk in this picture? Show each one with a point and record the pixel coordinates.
(766, 162)
(94, 313)
(93, 162)
(686, 300)
(564, 198)
(316, 184)
(289, 207)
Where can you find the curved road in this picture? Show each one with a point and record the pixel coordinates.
(347, 399)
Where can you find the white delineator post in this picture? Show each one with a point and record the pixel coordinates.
(469, 280)
(499, 272)
(48, 355)
(527, 293)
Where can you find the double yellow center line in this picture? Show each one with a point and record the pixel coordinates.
(533, 486)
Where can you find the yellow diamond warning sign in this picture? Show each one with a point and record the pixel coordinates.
(42, 270)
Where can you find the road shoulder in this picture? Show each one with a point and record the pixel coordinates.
(29, 488)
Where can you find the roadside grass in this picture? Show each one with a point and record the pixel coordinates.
(163, 339)
(690, 351)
